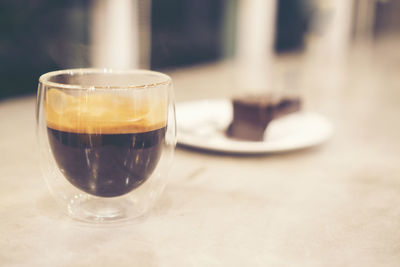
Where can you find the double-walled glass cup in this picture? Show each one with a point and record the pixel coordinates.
(106, 140)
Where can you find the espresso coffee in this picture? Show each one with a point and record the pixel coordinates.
(106, 165)
(103, 150)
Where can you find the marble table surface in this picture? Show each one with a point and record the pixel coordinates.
(332, 205)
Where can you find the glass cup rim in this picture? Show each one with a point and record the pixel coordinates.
(44, 79)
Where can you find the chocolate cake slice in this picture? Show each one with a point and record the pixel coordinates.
(252, 114)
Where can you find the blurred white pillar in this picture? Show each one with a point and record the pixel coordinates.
(115, 34)
(254, 44)
(338, 32)
(330, 51)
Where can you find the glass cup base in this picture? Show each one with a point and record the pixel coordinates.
(97, 210)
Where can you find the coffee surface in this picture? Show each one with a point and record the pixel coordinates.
(105, 145)
(105, 113)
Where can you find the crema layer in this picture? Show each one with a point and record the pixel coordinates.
(104, 113)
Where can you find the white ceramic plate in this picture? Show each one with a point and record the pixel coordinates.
(202, 124)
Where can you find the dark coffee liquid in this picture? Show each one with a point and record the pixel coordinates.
(106, 165)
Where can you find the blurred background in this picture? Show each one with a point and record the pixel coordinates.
(38, 36)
